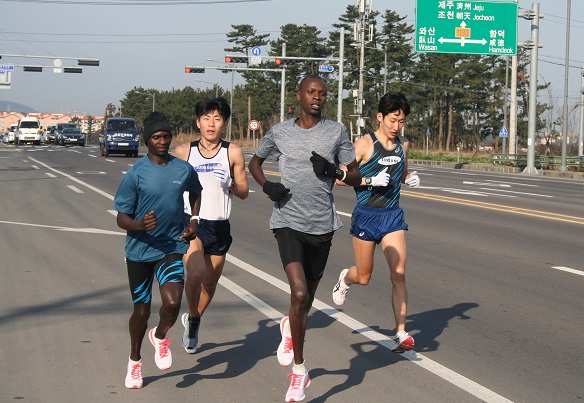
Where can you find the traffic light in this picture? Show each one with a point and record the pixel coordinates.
(285, 61)
(32, 68)
(236, 59)
(72, 70)
(194, 69)
(88, 62)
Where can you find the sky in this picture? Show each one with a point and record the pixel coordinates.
(148, 46)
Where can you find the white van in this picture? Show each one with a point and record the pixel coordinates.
(29, 130)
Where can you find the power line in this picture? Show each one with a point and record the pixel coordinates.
(137, 2)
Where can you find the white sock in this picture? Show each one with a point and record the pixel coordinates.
(287, 330)
(299, 368)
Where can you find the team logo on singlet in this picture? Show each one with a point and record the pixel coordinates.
(208, 167)
(391, 160)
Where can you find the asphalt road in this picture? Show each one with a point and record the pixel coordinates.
(495, 278)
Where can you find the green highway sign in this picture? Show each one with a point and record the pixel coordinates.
(472, 27)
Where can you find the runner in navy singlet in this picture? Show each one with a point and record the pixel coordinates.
(378, 218)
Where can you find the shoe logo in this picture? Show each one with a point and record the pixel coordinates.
(361, 233)
(177, 182)
(222, 247)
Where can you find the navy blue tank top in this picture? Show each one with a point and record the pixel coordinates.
(382, 196)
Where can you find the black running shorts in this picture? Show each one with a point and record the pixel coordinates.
(310, 250)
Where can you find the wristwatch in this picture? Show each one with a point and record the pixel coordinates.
(195, 217)
(368, 181)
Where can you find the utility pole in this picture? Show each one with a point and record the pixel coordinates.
(581, 134)
(283, 87)
(532, 44)
(513, 106)
(563, 166)
(361, 26)
(341, 72)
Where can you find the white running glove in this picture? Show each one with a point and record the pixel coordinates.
(413, 180)
(381, 179)
(222, 176)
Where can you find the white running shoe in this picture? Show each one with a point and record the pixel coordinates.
(162, 355)
(404, 341)
(298, 383)
(341, 289)
(285, 351)
(134, 375)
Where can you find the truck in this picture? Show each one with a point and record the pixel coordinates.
(29, 130)
(120, 136)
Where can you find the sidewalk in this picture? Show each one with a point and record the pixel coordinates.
(498, 168)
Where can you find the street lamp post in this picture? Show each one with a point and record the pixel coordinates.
(153, 95)
(215, 85)
(384, 68)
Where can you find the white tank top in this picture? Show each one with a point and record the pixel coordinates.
(215, 200)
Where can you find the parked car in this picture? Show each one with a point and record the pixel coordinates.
(71, 136)
(5, 138)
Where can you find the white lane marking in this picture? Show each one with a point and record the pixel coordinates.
(75, 151)
(465, 192)
(35, 167)
(519, 193)
(345, 214)
(431, 366)
(569, 270)
(50, 175)
(67, 229)
(512, 183)
(110, 160)
(485, 184)
(113, 212)
(75, 189)
(101, 192)
(91, 155)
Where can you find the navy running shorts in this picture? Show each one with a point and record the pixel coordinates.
(372, 223)
(169, 269)
(215, 235)
(311, 251)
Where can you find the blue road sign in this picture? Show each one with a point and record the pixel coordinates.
(326, 68)
(256, 51)
(6, 67)
(503, 132)
(428, 132)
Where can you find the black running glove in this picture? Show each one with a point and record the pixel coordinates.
(323, 167)
(275, 190)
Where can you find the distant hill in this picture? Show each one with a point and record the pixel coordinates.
(7, 106)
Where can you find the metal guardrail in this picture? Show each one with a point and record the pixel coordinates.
(541, 161)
